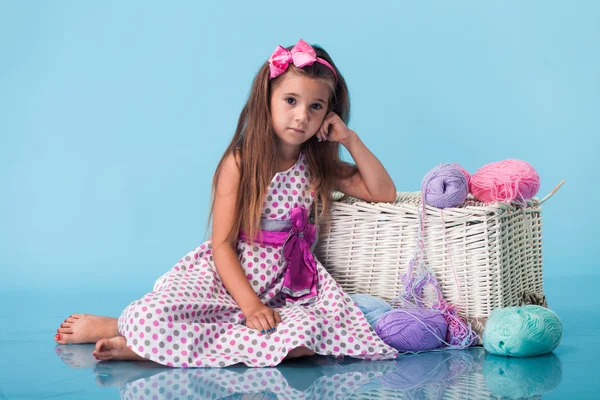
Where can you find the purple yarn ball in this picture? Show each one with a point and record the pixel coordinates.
(412, 330)
(446, 185)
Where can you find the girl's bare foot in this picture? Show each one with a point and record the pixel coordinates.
(115, 349)
(86, 328)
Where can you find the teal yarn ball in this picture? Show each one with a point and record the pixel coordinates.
(372, 307)
(517, 378)
(523, 331)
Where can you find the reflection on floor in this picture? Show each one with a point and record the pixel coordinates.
(447, 374)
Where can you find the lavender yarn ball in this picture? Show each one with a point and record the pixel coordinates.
(412, 330)
(446, 185)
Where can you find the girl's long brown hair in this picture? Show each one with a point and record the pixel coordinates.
(254, 144)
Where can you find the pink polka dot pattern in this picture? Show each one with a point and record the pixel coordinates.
(191, 320)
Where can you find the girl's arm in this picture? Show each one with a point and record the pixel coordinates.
(225, 256)
(371, 182)
(228, 266)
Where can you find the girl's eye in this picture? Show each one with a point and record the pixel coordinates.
(317, 106)
(290, 100)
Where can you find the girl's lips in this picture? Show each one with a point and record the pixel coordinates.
(297, 130)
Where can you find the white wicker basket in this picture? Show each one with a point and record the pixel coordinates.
(484, 256)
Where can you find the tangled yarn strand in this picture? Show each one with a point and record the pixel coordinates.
(418, 275)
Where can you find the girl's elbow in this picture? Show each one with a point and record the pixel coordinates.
(220, 250)
(385, 197)
(391, 194)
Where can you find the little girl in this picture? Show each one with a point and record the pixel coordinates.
(254, 293)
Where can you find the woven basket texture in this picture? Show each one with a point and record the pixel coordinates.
(484, 256)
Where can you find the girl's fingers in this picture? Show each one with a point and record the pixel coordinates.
(331, 119)
(271, 321)
(327, 125)
(324, 128)
(263, 324)
(319, 134)
(254, 323)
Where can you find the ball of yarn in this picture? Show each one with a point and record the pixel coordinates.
(505, 181)
(523, 331)
(372, 307)
(412, 330)
(518, 378)
(446, 185)
(465, 172)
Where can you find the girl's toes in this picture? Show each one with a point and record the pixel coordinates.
(102, 345)
(64, 330)
(106, 356)
(105, 350)
(62, 338)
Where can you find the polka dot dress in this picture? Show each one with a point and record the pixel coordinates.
(191, 320)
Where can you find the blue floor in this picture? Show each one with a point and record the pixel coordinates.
(33, 367)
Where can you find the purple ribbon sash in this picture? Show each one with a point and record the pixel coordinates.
(296, 236)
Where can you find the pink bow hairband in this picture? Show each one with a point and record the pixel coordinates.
(301, 55)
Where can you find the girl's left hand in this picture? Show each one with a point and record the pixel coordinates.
(333, 129)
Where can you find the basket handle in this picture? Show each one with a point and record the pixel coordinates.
(552, 192)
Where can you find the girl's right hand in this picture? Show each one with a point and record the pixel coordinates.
(263, 319)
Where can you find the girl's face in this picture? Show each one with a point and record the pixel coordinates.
(298, 108)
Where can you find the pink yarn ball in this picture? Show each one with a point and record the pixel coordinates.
(505, 181)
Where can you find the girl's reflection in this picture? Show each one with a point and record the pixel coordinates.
(449, 374)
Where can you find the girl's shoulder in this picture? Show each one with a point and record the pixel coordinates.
(229, 169)
(233, 160)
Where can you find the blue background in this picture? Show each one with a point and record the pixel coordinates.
(114, 115)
